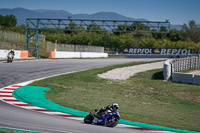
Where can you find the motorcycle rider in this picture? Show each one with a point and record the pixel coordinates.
(12, 52)
(113, 107)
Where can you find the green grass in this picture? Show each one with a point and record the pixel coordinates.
(144, 97)
(117, 56)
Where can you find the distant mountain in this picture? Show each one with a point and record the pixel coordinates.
(21, 15)
(104, 16)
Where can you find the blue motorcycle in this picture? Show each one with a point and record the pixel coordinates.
(108, 118)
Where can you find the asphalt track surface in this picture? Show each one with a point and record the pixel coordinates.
(21, 71)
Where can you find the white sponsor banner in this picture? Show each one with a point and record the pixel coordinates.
(161, 51)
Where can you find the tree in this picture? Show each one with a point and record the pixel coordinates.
(140, 27)
(8, 21)
(73, 28)
(175, 35)
(1, 19)
(122, 28)
(191, 32)
(20, 29)
(135, 27)
(161, 34)
(94, 27)
(13, 21)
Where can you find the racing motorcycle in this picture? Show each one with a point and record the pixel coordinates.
(109, 118)
(9, 58)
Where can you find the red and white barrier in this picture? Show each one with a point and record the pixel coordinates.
(18, 54)
(62, 54)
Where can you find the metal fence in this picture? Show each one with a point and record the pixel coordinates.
(11, 45)
(12, 36)
(73, 48)
(51, 46)
(186, 63)
(12, 40)
(17, 37)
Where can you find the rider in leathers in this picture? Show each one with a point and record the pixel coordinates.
(12, 52)
(112, 107)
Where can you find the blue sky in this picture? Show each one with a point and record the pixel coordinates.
(176, 11)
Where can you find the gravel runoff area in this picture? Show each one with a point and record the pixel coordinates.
(126, 72)
(195, 72)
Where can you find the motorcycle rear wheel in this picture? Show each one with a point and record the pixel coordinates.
(88, 119)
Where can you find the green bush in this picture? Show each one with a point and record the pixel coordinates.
(187, 38)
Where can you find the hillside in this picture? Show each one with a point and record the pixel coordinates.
(22, 13)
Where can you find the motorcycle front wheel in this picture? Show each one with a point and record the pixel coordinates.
(112, 121)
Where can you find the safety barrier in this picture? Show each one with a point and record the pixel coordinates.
(182, 77)
(18, 54)
(186, 63)
(172, 68)
(196, 80)
(62, 54)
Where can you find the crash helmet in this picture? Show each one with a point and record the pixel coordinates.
(115, 106)
(12, 50)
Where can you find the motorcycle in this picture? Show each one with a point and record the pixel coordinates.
(9, 58)
(109, 118)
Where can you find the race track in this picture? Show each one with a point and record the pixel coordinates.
(20, 71)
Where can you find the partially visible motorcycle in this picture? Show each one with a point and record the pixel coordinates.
(9, 58)
(109, 118)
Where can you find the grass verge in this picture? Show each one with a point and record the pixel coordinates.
(9, 131)
(144, 97)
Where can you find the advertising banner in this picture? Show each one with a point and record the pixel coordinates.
(161, 51)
